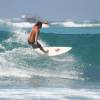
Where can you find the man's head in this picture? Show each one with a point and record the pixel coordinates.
(39, 24)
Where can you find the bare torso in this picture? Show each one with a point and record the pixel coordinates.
(32, 36)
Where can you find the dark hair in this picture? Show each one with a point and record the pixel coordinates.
(39, 24)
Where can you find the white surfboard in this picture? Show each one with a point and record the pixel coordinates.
(54, 51)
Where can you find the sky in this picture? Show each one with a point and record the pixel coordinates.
(51, 9)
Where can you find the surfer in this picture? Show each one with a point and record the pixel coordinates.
(33, 37)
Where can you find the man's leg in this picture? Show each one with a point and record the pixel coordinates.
(41, 48)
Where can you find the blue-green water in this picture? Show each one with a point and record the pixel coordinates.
(26, 75)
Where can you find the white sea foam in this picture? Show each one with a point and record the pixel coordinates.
(7, 25)
(10, 66)
(51, 74)
(62, 58)
(2, 47)
(9, 69)
(12, 63)
(13, 72)
(74, 24)
(23, 25)
(27, 25)
(49, 93)
(20, 25)
(18, 36)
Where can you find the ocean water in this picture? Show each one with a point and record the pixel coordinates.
(26, 75)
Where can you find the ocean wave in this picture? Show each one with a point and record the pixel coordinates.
(13, 64)
(8, 69)
(2, 47)
(27, 25)
(7, 25)
(74, 24)
(20, 57)
(50, 93)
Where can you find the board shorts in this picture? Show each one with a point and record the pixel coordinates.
(38, 45)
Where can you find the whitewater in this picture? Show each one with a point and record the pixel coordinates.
(26, 75)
